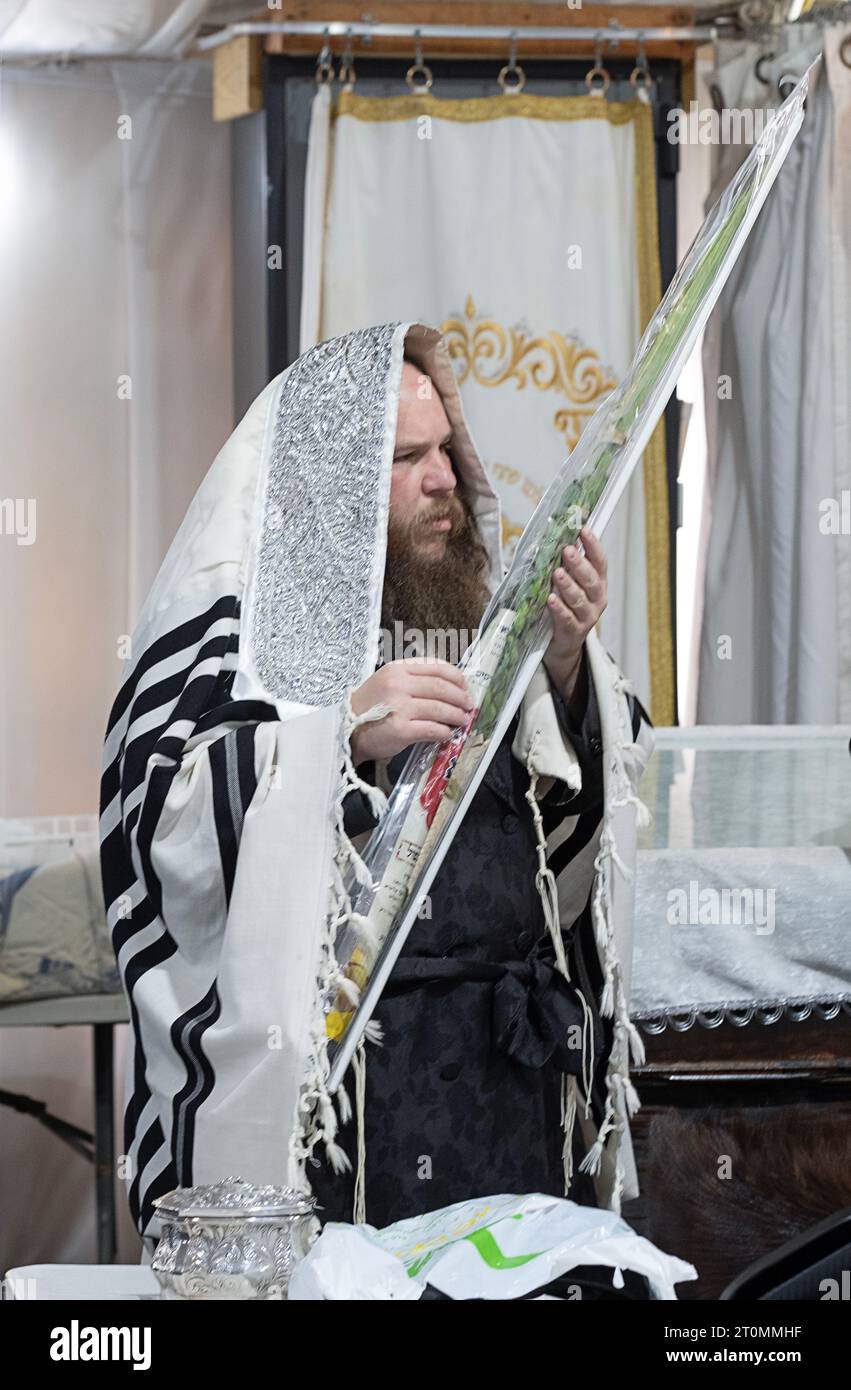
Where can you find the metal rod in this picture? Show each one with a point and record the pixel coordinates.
(104, 1143)
(564, 34)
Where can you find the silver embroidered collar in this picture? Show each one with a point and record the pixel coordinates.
(320, 561)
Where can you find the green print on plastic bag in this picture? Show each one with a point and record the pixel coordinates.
(486, 1245)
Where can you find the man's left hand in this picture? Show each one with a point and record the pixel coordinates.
(578, 599)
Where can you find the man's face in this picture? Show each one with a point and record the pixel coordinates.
(423, 499)
(434, 576)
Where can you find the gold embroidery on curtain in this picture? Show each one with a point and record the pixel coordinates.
(492, 355)
(654, 466)
(409, 107)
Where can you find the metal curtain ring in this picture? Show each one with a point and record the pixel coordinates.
(845, 50)
(600, 88)
(517, 76)
(756, 12)
(785, 84)
(640, 78)
(324, 65)
(416, 70)
(758, 66)
(347, 75)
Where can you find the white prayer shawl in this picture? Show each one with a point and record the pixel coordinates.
(227, 761)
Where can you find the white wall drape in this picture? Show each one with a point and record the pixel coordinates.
(115, 292)
(776, 635)
(116, 393)
(525, 228)
(155, 28)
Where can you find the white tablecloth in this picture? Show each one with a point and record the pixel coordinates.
(96, 1282)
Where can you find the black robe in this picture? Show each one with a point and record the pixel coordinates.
(463, 1096)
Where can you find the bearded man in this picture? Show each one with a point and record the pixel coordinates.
(246, 757)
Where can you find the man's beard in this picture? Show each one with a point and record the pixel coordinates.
(433, 594)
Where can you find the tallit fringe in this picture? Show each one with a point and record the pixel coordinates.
(545, 882)
(545, 878)
(374, 1033)
(316, 1119)
(341, 982)
(359, 1069)
(622, 1099)
(344, 1105)
(568, 1122)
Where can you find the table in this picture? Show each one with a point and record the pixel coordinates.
(101, 1012)
(91, 1282)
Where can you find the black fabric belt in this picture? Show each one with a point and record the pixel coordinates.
(537, 1014)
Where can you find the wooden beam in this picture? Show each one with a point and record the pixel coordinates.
(480, 12)
(688, 79)
(238, 78)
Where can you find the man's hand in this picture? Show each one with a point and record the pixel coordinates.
(576, 604)
(428, 699)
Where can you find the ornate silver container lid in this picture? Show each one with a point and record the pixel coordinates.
(233, 1199)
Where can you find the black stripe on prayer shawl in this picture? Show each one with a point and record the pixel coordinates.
(152, 1142)
(237, 712)
(234, 785)
(180, 638)
(187, 1033)
(583, 832)
(246, 770)
(135, 1106)
(153, 955)
(146, 1190)
(166, 691)
(193, 701)
(159, 785)
(227, 807)
(140, 916)
(130, 823)
(182, 699)
(117, 877)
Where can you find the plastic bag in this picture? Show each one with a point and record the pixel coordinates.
(490, 1247)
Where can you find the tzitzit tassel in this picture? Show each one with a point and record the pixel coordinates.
(594, 1157)
(636, 1045)
(568, 1120)
(631, 1096)
(359, 1068)
(344, 985)
(545, 882)
(344, 1105)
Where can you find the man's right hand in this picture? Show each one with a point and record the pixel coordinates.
(428, 700)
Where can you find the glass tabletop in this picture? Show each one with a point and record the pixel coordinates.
(713, 786)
